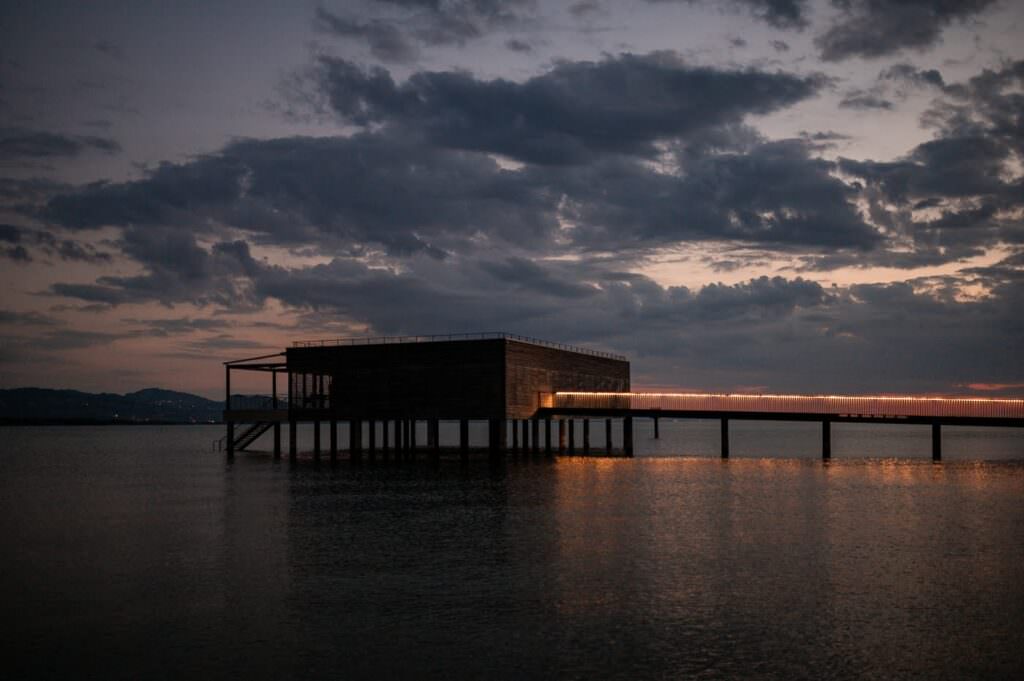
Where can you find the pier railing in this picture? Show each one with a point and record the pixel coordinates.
(845, 405)
(497, 335)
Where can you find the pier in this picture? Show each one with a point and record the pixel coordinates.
(534, 396)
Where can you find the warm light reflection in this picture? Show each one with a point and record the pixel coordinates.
(861, 405)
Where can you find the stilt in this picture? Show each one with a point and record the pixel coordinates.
(936, 442)
(826, 439)
(608, 436)
(334, 440)
(535, 436)
(384, 437)
(277, 424)
(316, 440)
(586, 437)
(434, 426)
(412, 439)
(561, 436)
(464, 439)
(292, 445)
(526, 435)
(372, 433)
(627, 436)
(572, 437)
(725, 438)
(227, 408)
(497, 436)
(547, 435)
(355, 440)
(657, 433)
(515, 437)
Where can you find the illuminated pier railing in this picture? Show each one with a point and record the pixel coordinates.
(876, 406)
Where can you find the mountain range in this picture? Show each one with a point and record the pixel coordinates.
(152, 405)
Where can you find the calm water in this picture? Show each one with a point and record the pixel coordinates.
(138, 553)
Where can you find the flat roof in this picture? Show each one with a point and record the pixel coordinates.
(440, 338)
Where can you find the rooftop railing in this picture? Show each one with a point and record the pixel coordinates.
(436, 338)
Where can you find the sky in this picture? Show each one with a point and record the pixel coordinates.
(743, 195)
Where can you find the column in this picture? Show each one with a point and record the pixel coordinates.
(334, 440)
(608, 436)
(561, 436)
(936, 442)
(586, 437)
(627, 436)
(725, 438)
(316, 440)
(826, 439)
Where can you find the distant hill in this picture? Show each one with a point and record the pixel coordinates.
(152, 405)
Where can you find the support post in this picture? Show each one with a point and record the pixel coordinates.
(292, 454)
(826, 440)
(547, 435)
(316, 440)
(572, 437)
(725, 438)
(657, 432)
(355, 436)
(561, 436)
(334, 440)
(384, 437)
(227, 410)
(464, 439)
(627, 436)
(535, 436)
(277, 424)
(372, 432)
(412, 438)
(515, 437)
(497, 436)
(936, 441)
(586, 437)
(435, 437)
(608, 436)
(293, 427)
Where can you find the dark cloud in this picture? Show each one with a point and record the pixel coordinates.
(374, 192)
(780, 45)
(386, 41)
(910, 74)
(585, 8)
(10, 233)
(69, 249)
(517, 45)
(16, 254)
(567, 115)
(737, 42)
(366, 190)
(24, 143)
(864, 100)
(879, 28)
(394, 38)
(783, 14)
(773, 194)
(176, 326)
(960, 193)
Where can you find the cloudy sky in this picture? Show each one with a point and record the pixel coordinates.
(768, 195)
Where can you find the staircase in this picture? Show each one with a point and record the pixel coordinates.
(246, 437)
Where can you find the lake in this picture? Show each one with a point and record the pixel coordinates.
(136, 552)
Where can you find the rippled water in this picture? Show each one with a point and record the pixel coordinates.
(138, 553)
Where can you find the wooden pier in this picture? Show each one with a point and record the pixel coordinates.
(532, 395)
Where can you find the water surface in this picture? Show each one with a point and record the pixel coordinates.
(137, 553)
